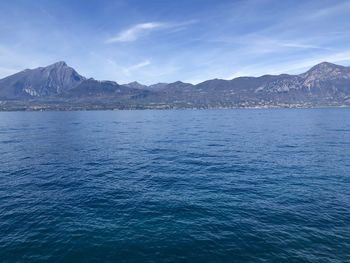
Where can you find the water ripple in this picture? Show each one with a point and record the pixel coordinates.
(175, 186)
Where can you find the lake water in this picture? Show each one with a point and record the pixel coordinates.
(175, 186)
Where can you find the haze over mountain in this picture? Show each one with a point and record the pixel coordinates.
(59, 86)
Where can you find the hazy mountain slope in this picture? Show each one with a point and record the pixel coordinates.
(94, 89)
(324, 82)
(135, 85)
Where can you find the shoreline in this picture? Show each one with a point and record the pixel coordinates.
(174, 108)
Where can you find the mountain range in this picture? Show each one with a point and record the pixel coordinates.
(60, 87)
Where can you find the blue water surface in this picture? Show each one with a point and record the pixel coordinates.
(264, 185)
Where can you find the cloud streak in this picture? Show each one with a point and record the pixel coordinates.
(139, 30)
(135, 32)
(336, 9)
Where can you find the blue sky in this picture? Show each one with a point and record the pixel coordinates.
(164, 41)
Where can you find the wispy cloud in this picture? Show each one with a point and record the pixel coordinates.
(334, 9)
(297, 45)
(135, 32)
(266, 44)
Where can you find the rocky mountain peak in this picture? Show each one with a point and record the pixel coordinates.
(324, 71)
(43, 81)
(325, 67)
(59, 64)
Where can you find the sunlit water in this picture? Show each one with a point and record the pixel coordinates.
(175, 186)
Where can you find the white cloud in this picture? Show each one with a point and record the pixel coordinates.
(257, 43)
(135, 32)
(332, 10)
(296, 45)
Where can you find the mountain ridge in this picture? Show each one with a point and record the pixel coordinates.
(325, 84)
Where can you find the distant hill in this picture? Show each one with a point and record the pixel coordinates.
(59, 86)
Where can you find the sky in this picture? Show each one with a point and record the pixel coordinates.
(165, 40)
